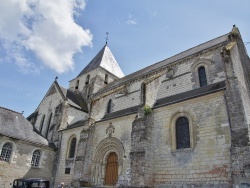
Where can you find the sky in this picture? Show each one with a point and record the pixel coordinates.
(40, 40)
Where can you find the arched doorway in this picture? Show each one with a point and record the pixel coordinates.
(111, 174)
(109, 153)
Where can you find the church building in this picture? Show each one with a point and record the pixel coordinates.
(183, 121)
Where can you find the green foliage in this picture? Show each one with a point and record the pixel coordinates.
(147, 110)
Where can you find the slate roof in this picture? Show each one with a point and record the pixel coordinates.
(190, 94)
(74, 99)
(76, 124)
(106, 60)
(15, 125)
(214, 42)
(120, 113)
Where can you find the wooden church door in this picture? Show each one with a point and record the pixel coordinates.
(111, 175)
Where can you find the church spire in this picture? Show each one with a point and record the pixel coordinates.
(106, 60)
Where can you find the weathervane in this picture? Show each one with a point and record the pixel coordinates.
(107, 33)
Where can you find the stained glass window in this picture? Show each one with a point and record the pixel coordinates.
(182, 133)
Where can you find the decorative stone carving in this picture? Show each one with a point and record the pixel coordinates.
(110, 130)
(225, 55)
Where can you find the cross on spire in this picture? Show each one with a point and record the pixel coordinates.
(107, 37)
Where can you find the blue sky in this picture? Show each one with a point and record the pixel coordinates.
(40, 40)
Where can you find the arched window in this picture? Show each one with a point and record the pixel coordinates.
(87, 79)
(48, 126)
(182, 133)
(72, 148)
(6, 152)
(202, 76)
(106, 79)
(77, 85)
(35, 161)
(41, 123)
(109, 106)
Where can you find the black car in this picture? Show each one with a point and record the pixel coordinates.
(30, 183)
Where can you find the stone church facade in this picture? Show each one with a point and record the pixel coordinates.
(184, 121)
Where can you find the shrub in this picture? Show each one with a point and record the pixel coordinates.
(147, 110)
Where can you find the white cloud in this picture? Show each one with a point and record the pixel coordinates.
(131, 20)
(46, 28)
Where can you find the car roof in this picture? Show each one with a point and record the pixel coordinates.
(30, 179)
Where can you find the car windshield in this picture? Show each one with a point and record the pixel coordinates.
(19, 184)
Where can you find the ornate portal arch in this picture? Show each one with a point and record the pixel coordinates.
(103, 150)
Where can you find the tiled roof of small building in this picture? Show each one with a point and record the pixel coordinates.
(15, 125)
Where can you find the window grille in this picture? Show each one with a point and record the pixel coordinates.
(6, 152)
(72, 148)
(36, 158)
(182, 133)
(202, 76)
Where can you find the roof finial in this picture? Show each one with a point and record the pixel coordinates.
(107, 33)
(56, 78)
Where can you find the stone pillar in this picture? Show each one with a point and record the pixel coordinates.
(240, 150)
(139, 141)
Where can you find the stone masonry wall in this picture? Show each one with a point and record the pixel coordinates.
(82, 79)
(63, 160)
(184, 76)
(208, 162)
(46, 107)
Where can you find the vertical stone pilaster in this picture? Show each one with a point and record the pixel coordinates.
(140, 137)
(82, 166)
(239, 129)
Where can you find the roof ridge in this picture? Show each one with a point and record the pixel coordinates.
(10, 110)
